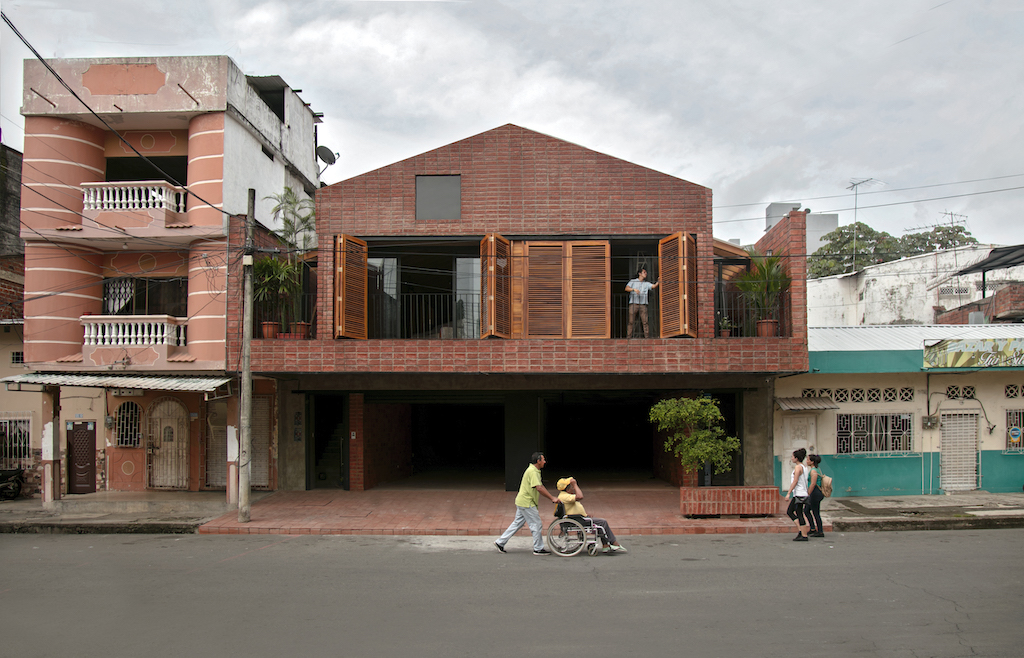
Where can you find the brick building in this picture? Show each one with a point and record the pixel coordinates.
(472, 310)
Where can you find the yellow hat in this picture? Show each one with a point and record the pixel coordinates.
(563, 483)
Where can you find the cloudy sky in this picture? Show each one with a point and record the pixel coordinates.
(760, 101)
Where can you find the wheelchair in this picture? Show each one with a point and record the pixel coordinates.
(569, 535)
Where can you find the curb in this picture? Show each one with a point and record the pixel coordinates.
(100, 528)
(959, 523)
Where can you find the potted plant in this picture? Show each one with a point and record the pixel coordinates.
(271, 277)
(762, 287)
(695, 437)
(297, 217)
(725, 326)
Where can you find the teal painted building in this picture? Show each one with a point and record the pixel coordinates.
(908, 410)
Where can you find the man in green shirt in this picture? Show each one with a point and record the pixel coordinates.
(530, 490)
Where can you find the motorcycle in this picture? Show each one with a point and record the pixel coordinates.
(10, 483)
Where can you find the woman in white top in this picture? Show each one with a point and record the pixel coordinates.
(797, 494)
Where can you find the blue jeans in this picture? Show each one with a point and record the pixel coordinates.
(531, 517)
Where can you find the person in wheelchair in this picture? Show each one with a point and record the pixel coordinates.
(570, 495)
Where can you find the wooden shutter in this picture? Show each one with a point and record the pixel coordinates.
(544, 289)
(677, 284)
(350, 285)
(495, 286)
(590, 293)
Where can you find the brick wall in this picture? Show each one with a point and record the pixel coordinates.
(356, 448)
(1006, 305)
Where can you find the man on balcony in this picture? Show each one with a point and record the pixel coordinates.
(638, 289)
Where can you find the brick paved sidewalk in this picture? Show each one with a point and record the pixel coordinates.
(383, 511)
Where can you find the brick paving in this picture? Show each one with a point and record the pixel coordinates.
(471, 512)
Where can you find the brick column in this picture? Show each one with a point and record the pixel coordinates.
(356, 451)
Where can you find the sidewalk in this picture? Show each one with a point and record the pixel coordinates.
(643, 509)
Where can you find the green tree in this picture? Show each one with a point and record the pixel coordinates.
(696, 435)
(297, 216)
(937, 239)
(850, 248)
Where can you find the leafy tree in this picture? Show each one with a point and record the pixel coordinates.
(940, 237)
(297, 216)
(696, 435)
(837, 256)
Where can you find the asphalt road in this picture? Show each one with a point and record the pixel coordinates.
(953, 593)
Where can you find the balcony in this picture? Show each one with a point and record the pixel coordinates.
(111, 338)
(138, 204)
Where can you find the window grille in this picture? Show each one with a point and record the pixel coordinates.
(809, 393)
(874, 433)
(960, 392)
(17, 358)
(857, 395)
(128, 425)
(889, 395)
(825, 392)
(1012, 391)
(842, 395)
(874, 395)
(1015, 430)
(954, 290)
(967, 392)
(906, 394)
(15, 441)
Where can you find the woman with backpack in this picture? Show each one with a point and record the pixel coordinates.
(814, 497)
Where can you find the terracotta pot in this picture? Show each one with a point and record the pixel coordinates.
(301, 329)
(767, 328)
(269, 329)
(724, 333)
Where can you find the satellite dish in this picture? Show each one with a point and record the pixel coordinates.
(327, 156)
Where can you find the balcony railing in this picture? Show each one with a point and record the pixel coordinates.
(291, 318)
(735, 318)
(131, 330)
(143, 195)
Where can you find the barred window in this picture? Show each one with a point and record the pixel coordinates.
(128, 425)
(15, 441)
(1015, 430)
(906, 394)
(17, 358)
(874, 433)
(135, 296)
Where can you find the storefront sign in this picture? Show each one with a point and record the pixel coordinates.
(980, 353)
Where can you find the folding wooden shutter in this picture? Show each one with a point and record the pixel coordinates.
(495, 286)
(544, 289)
(677, 285)
(589, 312)
(350, 286)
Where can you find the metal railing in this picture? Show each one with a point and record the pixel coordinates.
(142, 195)
(127, 330)
(15, 440)
(736, 318)
(424, 316)
(289, 318)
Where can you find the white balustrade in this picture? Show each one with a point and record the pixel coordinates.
(143, 195)
(125, 331)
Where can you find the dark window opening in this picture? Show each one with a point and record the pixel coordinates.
(175, 169)
(132, 296)
(267, 152)
(438, 197)
(274, 99)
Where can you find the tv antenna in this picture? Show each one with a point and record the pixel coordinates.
(854, 185)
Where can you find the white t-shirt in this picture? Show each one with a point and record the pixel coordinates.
(640, 289)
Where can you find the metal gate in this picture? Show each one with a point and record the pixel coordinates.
(958, 457)
(261, 429)
(216, 445)
(168, 445)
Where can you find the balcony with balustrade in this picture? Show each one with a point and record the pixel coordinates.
(135, 204)
(133, 340)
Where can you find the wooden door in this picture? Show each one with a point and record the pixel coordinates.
(81, 457)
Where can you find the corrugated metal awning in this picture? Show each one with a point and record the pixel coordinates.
(806, 404)
(153, 383)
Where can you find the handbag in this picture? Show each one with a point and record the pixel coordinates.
(559, 510)
(826, 486)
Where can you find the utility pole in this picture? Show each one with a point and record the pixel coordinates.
(245, 413)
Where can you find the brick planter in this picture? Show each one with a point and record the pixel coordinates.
(717, 501)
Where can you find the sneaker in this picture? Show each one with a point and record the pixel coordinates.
(818, 534)
(618, 549)
(542, 551)
(800, 538)
(606, 550)
(499, 547)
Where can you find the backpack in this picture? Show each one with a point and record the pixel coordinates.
(826, 485)
(560, 508)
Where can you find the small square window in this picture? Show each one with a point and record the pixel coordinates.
(17, 358)
(808, 393)
(1012, 391)
(842, 395)
(857, 395)
(874, 395)
(906, 394)
(438, 197)
(889, 395)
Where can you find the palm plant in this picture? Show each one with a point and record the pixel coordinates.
(764, 284)
(297, 216)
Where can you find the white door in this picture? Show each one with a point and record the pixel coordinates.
(958, 456)
(168, 444)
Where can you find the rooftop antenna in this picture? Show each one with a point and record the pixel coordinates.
(854, 185)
